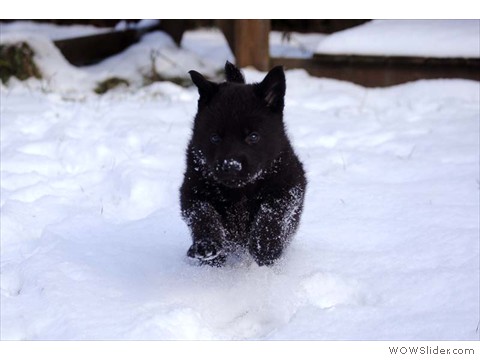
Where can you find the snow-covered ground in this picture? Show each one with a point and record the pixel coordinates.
(93, 246)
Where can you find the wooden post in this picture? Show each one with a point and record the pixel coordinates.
(251, 43)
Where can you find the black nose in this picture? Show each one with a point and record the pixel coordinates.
(231, 166)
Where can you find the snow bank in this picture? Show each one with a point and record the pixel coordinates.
(57, 73)
(155, 54)
(156, 49)
(428, 38)
(209, 44)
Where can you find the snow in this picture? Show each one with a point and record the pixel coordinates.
(51, 31)
(156, 50)
(135, 63)
(208, 44)
(428, 38)
(211, 44)
(232, 164)
(293, 44)
(93, 245)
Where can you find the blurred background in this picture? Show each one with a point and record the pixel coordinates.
(370, 53)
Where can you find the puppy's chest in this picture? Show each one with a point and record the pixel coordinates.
(237, 217)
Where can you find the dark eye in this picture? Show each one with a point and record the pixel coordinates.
(215, 139)
(252, 138)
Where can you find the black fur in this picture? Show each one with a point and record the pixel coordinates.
(244, 186)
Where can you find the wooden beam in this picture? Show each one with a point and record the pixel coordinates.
(373, 71)
(90, 49)
(87, 50)
(251, 43)
(228, 28)
(174, 28)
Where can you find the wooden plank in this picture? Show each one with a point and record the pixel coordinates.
(251, 43)
(88, 50)
(174, 28)
(373, 71)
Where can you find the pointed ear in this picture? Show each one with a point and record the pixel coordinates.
(233, 74)
(272, 89)
(206, 88)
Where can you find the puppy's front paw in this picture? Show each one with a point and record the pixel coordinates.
(265, 252)
(205, 251)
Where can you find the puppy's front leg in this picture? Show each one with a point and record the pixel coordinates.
(207, 231)
(274, 225)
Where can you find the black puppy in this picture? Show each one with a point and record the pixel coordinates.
(244, 186)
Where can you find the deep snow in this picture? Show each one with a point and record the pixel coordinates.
(93, 246)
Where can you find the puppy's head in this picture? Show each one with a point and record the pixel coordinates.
(239, 127)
